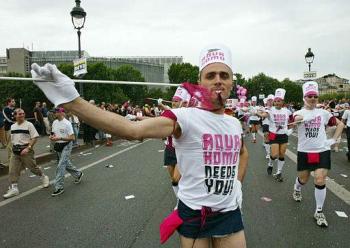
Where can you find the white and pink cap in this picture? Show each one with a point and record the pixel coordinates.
(310, 89)
(254, 99)
(279, 94)
(270, 97)
(216, 53)
(181, 95)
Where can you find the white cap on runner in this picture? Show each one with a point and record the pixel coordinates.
(279, 94)
(181, 94)
(310, 88)
(216, 53)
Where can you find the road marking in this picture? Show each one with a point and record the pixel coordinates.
(334, 187)
(128, 197)
(341, 214)
(35, 189)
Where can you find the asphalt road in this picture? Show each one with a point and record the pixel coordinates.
(95, 213)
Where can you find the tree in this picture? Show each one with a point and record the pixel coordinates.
(185, 72)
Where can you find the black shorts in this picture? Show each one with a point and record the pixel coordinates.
(303, 163)
(279, 139)
(216, 224)
(169, 157)
(252, 122)
(265, 128)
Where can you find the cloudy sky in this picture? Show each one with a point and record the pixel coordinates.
(270, 36)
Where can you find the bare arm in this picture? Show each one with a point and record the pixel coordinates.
(158, 127)
(243, 163)
(339, 130)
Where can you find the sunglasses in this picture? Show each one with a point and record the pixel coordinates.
(312, 97)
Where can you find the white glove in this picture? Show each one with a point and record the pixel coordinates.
(240, 196)
(61, 90)
(289, 132)
(329, 142)
(130, 117)
(160, 101)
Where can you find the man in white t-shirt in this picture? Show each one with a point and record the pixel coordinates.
(63, 136)
(346, 120)
(314, 148)
(23, 138)
(210, 151)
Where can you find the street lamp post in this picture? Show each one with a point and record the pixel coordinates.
(78, 19)
(309, 58)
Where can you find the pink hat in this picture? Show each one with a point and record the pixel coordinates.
(59, 110)
(310, 88)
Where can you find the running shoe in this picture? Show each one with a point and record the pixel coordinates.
(267, 156)
(269, 170)
(45, 181)
(57, 192)
(320, 219)
(278, 177)
(297, 196)
(78, 180)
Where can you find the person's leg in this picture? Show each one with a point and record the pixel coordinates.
(15, 169)
(8, 145)
(235, 240)
(194, 243)
(254, 131)
(320, 196)
(273, 157)
(267, 145)
(60, 170)
(66, 152)
(29, 162)
(280, 162)
(47, 125)
(348, 139)
(300, 180)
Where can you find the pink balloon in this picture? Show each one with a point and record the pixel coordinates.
(244, 92)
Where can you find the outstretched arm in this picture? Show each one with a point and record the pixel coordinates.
(157, 127)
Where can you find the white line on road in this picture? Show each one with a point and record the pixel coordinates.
(35, 189)
(334, 187)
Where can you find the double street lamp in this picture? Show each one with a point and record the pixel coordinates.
(309, 58)
(78, 19)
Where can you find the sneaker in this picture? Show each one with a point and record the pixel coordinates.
(45, 181)
(78, 180)
(12, 191)
(269, 170)
(254, 140)
(267, 156)
(320, 219)
(297, 196)
(57, 192)
(278, 177)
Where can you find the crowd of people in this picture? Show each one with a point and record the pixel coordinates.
(205, 149)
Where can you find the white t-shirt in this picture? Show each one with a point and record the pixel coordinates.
(208, 156)
(278, 120)
(62, 129)
(23, 133)
(312, 134)
(252, 111)
(346, 116)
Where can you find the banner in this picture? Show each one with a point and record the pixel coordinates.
(80, 67)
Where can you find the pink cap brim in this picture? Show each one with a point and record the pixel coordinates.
(176, 99)
(311, 93)
(278, 98)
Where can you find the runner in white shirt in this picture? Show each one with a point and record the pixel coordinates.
(346, 120)
(279, 118)
(268, 102)
(254, 119)
(209, 148)
(314, 148)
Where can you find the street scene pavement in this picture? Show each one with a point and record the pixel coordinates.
(126, 192)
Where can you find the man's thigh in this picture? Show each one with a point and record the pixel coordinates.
(194, 243)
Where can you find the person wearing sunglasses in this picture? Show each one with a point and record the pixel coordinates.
(314, 148)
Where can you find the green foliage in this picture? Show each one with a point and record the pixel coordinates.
(185, 72)
(332, 96)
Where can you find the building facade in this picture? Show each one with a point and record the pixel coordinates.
(330, 84)
(153, 68)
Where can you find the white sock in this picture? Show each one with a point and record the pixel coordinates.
(320, 196)
(267, 149)
(297, 185)
(280, 164)
(254, 135)
(271, 161)
(176, 189)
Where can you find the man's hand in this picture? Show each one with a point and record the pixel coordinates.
(54, 138)
(61, 90)
(24, 151)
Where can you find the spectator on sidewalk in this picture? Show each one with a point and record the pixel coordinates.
(45, 111)
(23, 138)
(63, 135)
(39, 119)
(9, 120)
(2, 130)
